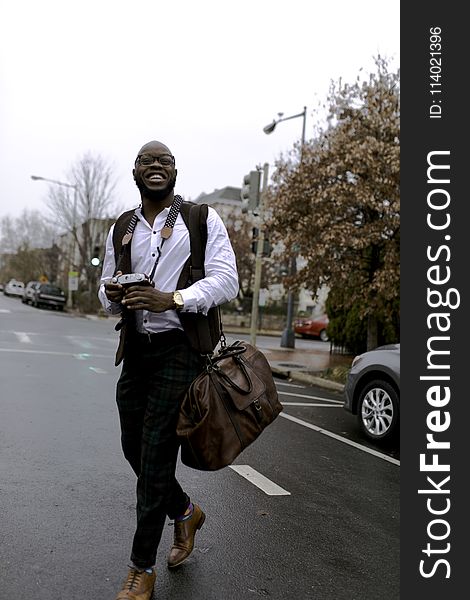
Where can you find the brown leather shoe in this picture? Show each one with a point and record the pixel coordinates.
(185, 531)
(138, 585)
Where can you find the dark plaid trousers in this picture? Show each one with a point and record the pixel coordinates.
(155, 374)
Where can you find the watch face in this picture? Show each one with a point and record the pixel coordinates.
(178, 299)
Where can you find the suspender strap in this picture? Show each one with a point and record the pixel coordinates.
(167, 230)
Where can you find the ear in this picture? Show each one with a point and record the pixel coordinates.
(133, 173)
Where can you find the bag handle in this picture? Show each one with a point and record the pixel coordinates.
(231, 352)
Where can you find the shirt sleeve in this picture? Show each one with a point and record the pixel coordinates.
(107, 273)
(220, 283)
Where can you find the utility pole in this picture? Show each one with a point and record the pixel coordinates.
(288, 335)
(72, 284)
(259, 258)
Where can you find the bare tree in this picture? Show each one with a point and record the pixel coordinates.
(83, 206)
(30, 230)
(90, 195)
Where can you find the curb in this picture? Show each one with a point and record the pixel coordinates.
(307, 378)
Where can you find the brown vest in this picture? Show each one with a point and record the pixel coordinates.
(203, 331)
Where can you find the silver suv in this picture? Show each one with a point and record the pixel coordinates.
(372, 391)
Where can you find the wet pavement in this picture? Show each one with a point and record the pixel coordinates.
(306, 362)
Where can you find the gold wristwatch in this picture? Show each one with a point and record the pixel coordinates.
(178, 300)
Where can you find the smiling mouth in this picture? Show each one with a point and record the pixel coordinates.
(155, 178)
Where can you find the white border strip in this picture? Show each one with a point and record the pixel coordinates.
(281, 393)
(294, 385)
(263, 483)
(311, 404)
(341, 439)
(53, 353)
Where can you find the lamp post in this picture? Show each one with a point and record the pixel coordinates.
(75, 191)
(288, 335)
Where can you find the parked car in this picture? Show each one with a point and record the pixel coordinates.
(313, 327)
(29, 291)
(372, 391)
(14, 288)
(46, 294)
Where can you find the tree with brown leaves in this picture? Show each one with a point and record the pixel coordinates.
(339, 206)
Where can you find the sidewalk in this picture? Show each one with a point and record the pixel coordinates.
(302, 364)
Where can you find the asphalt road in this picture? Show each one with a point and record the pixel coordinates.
(331, 532)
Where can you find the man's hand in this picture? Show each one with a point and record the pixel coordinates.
(146, 297)
(114, 291)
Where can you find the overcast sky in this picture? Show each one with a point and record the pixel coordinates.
(204, 77)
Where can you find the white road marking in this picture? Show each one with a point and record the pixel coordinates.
(263, 483)
(310, 404)
(54, 353)
(83, 343)
(4, 310)
(309, 397)
(294, 385)
(23, 337)
(340, 439)
(98, 370)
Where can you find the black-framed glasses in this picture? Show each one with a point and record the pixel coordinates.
(166, 160)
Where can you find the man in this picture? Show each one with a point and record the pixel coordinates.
(159, 362)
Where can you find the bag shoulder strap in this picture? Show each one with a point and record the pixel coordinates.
(120, 228)
(122, 259)
(195, 219)
(204, 332)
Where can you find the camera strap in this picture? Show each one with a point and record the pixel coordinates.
(165, 233)
(167, 229)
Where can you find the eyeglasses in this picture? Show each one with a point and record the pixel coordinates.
(166, 160)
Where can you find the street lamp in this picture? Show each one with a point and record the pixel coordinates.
(75, 191)
(288, 335)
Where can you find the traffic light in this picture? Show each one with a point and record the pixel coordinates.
(254, 244)
(254, 237)
(95, 259)
(250, 192)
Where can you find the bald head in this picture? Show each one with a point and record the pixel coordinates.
(154, 147)
(155, 172)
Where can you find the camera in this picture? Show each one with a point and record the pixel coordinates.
(132, 279)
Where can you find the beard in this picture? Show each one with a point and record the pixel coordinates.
(156, 195)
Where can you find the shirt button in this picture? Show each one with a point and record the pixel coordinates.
(145, 320)
(154, 232)
(153, 253)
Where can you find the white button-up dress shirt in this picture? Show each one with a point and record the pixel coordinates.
(219, 285)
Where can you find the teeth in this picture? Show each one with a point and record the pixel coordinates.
(155, 178)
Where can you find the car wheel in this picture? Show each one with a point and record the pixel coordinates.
(378, 410)
(324, 336)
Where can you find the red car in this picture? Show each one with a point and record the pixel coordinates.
(314, 327)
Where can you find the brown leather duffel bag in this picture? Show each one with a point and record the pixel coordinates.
(227, 407)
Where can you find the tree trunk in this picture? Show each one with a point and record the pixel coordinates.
(372, 332)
